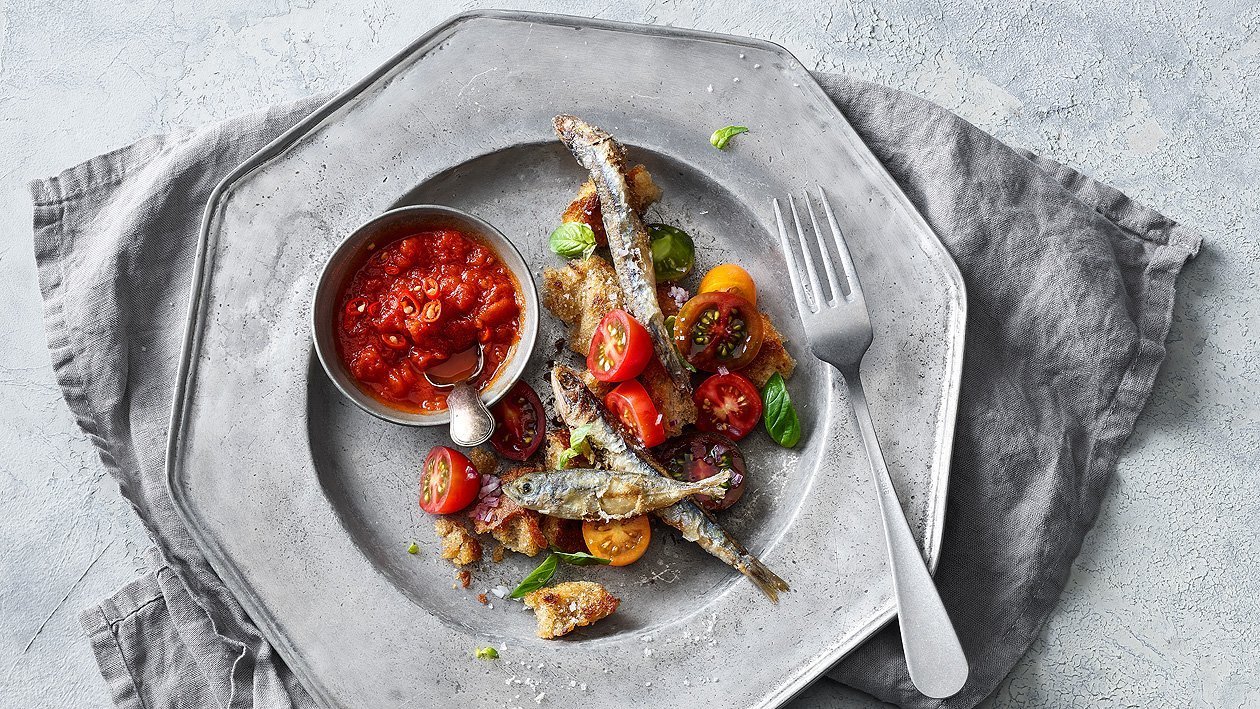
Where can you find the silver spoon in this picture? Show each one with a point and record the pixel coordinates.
(471, 422)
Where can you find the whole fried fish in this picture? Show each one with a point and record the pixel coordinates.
(628, 239)
(578, 407)
(602, 494)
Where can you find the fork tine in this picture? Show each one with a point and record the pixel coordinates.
(798, 290)
(834, 283)
(815, 288)
(850, 273)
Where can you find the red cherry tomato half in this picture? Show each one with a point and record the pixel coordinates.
(519, 423)
(728, 404)
(620, 348)
(702, 455)
(449, 482)
(632, 406)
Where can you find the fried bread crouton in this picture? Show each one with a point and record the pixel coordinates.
(457, 544)
(676, 407)
(518, 529)
(598, 388)
(484, 461)
(643, 189)
(563, 534)
(563, 607)
(586, 210)
(510, 524)
(772, 357)
(581, 294)
(671, 297)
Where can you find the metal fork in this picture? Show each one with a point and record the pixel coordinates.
(838, 327)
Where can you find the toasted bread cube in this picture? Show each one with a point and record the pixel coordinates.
(772, 357)
(563, 534)
(586, 210)
(566, 606)
(643, 189)
(598, 388)
(581, 294)
(458, 545)
(675, 407)
(511, 525)
(484, 461)
(669, 295)
(522, 533)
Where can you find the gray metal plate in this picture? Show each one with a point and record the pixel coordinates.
(304, 504)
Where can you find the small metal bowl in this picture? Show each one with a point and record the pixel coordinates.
(395, 224)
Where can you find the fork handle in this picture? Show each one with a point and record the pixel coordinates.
(934, 656)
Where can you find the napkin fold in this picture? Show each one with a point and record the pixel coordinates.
(1070, 288)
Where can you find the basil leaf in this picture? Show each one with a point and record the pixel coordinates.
(573, 240)
(722, 136)
(673, 252)
(581, 558)
(578, 445)
(578, 435)
(537, 578)
(487, 653)
(782, 423)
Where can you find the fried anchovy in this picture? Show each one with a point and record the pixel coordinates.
(603, 494)
(628, 238)
(579, 407)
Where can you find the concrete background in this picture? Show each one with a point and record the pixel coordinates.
(1155, 97)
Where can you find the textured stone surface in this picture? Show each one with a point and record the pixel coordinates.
(1156, 99)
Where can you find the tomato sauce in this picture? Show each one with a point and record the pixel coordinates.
(416, 301)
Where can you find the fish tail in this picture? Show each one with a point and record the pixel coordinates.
(714, 486)
(760, 574)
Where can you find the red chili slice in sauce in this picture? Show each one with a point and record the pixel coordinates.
(415, 301)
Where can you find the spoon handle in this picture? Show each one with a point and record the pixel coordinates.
(471, 422)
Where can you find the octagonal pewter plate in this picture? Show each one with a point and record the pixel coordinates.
(305, 505)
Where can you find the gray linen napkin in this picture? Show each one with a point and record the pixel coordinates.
(1070, 288)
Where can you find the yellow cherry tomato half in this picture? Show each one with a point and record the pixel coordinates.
(621, 540)
(729, 278)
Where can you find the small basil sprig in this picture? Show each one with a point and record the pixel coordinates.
(487, 653)
(722, 136)
(573, 240)
(581, 558)
(541, 575)
(578, 445)
(673, 252)
(780, 417)
(537, 578)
